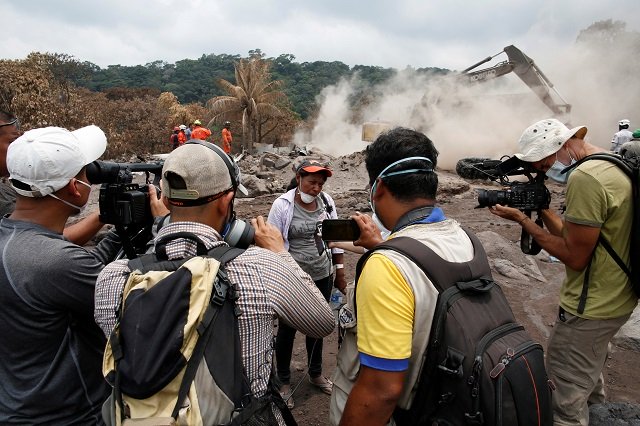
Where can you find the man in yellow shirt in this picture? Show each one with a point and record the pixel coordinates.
(379, 366)
(593, 307)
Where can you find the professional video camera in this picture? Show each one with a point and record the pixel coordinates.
(123, 203)
(527, 197)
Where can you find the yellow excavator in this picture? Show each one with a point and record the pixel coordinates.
(525, 68)
(518, 63)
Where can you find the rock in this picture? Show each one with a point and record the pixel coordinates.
(255, 186)
(629, 335)
(281, 163)
(269, 162)
(265, 175)
(508, 259)
(508, 269)
(614, 414)
(451, 185)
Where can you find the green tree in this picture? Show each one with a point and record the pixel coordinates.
(254, 95)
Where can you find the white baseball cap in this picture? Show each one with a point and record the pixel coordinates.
(544, 138)
(42, 161)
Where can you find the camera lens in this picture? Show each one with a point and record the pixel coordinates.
(489, 197)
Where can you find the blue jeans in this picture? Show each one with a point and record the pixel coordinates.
(286, 336)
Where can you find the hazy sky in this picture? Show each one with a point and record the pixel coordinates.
(600, 83)
(449, 34)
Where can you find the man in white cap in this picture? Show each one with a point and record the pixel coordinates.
(80, 232)
(200, 196)
(50, 347)
(596, 297)
(622, 136)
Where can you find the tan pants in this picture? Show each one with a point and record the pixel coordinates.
(576, 354)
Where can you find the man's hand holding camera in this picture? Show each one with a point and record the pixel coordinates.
(157, 204)
(267, 236)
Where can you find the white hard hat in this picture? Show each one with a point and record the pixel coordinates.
(624, 122)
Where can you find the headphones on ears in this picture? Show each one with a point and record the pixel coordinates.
(238, 233)
(232, 167)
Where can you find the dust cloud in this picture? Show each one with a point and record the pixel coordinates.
(486, 119)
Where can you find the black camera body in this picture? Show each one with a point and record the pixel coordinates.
(122, 202)
(524, 196)
(528, 196)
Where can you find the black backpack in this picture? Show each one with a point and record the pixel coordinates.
(480, 366)
(631, 167)
(174, 356)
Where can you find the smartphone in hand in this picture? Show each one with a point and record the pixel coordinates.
(340, 230)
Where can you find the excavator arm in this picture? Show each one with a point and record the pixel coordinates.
(526, 69)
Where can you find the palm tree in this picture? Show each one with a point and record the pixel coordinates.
(254, 95)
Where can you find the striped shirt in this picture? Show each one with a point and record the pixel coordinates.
(270, 285)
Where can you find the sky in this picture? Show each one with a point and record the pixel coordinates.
(419, 33)
(601, 84)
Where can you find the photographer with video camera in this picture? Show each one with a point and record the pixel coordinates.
(596, 297)
(50, 347)
(200, 196)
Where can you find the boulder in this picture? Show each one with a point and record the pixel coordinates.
(255, 186)
(614, 414)
(629, 335)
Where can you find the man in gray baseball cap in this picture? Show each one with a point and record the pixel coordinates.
(596, 297)
(199, 185)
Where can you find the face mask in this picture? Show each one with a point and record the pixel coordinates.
(554, 173)
(306, 198)
(79, 208)
(383, 230)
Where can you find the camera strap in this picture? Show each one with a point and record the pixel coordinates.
(429, 213)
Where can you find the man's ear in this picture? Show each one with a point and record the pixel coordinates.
(381, 189)
(222, 204)
(72, 188)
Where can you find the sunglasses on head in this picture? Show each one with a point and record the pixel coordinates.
(14, 122)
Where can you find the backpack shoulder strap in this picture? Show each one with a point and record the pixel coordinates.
(442, 273)
(150, 262)
(632, 170)
(327, 207)
(223, 254)
(612, 158)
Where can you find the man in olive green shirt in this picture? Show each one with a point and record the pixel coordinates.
(599, 204)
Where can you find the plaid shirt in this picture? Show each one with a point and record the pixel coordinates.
(270, 285)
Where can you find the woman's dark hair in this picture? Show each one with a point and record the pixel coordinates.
(292, 184)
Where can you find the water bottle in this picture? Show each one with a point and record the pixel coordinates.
(336, 299)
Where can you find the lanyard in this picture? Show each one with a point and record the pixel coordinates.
(428, 214)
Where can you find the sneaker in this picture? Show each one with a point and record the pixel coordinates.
(287, 395)
(322, 383)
